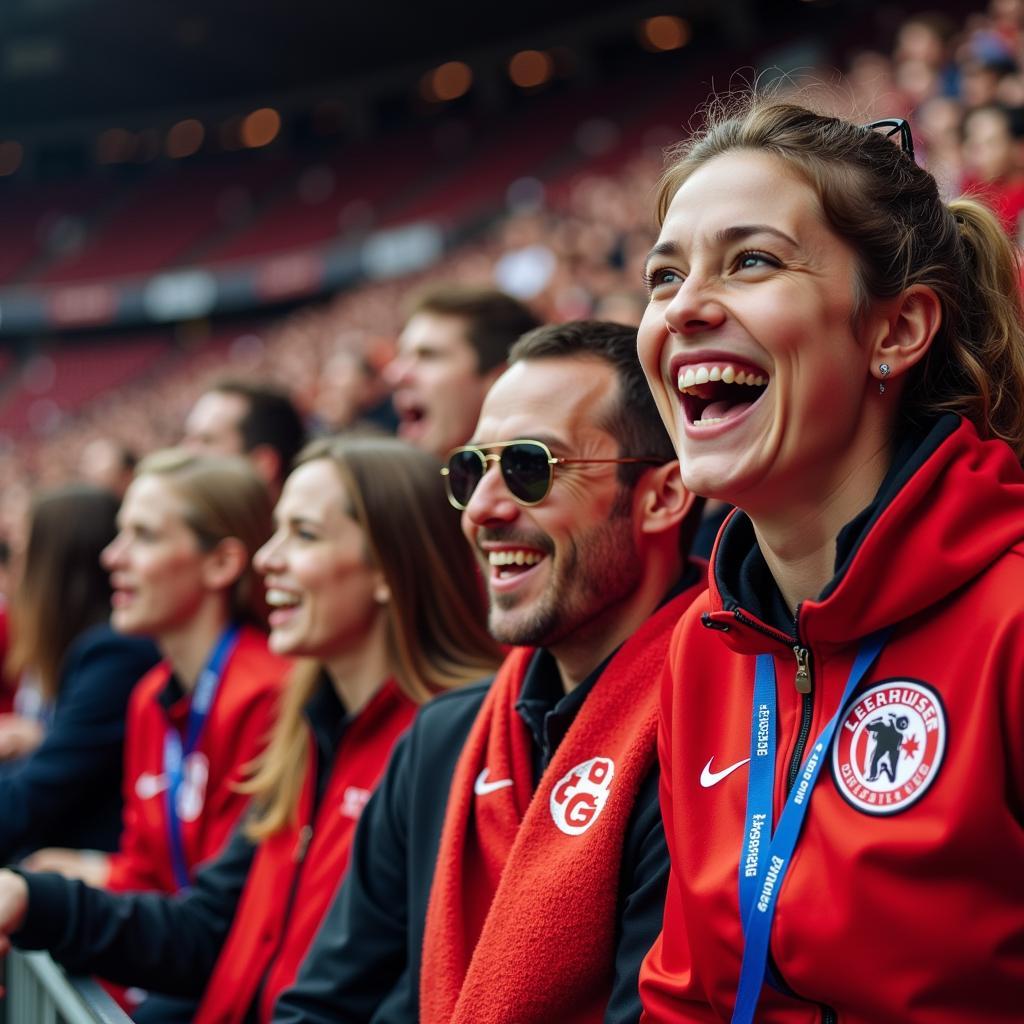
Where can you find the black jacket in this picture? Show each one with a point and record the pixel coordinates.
(67, 792)
(365, 962)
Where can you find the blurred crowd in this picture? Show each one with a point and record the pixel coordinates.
(574, 252)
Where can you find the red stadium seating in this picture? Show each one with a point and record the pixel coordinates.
(328, 199)
(42, 216)
(58, 383)
(161, 221)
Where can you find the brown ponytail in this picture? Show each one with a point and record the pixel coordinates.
(979, 372)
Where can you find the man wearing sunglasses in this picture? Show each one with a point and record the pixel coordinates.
(511, 868)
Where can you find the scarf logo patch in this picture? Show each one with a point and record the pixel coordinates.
(580, 795)
(889, 746)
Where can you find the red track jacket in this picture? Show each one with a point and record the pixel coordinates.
(905, 898)
(296, 872)
(238, 726)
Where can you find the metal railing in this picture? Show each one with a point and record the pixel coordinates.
(40, 992)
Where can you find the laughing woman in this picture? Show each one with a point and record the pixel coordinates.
(840, 354)
(374, 586)
(179, 567)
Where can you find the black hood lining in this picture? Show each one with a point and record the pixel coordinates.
(741, 572)
(909, 457)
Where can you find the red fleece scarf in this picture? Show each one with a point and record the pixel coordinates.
(521, 922)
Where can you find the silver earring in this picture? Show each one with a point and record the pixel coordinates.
(884, 370)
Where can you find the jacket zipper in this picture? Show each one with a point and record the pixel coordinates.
(804, 684)
(299, 857)
(803, 681)
(305, 836)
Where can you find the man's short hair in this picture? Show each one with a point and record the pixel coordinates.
(634, 420)
(271, 419)
(494, 320)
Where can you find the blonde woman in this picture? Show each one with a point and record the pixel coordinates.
(180, 571)
(372, 584)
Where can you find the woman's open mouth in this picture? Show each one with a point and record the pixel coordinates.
(282, 604)
(713, 392)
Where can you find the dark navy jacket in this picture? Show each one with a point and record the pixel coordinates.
(67, 792)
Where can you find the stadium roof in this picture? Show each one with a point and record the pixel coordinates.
(69, 60)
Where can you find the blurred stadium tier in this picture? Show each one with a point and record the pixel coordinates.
(111, 254)
(56, 384)
(185, 193)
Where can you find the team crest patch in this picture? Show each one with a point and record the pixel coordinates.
(580, 795)
(889, 746)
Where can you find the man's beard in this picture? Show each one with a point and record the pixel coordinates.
(596, 571)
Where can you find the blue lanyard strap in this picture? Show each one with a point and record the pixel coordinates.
(764, 861)
(175, 752)
(760, 784)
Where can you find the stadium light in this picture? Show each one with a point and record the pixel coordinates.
(447, 82)
(184, 138)
(664, 32)
(260, 128)
(530, 68)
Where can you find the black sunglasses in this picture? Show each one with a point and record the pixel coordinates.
(889, 126)
(527, 467)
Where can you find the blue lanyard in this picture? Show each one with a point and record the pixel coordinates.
(175, 752)
(760, 783)
(765, 858)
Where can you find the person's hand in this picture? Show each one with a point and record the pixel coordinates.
(13, 904)
(19, 736)
(87, 866)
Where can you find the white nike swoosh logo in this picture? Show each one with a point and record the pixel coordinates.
(148, 785)
(482, 787)
(708, 778)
